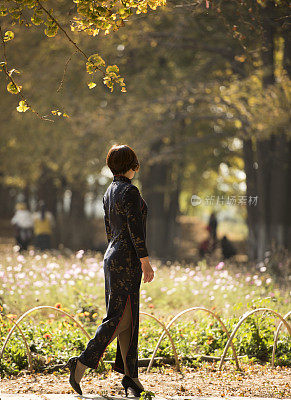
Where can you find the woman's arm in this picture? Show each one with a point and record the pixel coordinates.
(132, 205)
(106, 221)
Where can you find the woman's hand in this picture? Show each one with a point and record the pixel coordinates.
(148, 272)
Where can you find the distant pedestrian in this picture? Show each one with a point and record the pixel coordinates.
(204, 248)
(228, 250)
(43, 227)
(23, 224)
(212, 226)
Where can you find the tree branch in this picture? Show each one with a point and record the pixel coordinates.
(19, 93)
(65, 33)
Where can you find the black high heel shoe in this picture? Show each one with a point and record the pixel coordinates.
(127, 382)
(71, 364)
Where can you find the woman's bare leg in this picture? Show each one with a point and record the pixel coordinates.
(124, 340)
(124, 325)
(79, 371)
(123, 332)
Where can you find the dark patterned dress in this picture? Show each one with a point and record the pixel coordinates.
(125, 222)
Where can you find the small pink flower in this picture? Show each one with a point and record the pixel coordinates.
(80, 254)
(220, 265)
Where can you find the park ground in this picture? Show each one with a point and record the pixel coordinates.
(254, 380)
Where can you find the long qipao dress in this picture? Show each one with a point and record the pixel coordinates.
(125, 213)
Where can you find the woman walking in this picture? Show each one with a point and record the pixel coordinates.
(125, 260)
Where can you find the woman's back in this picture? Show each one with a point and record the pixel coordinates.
(125, 221)
(125, 217)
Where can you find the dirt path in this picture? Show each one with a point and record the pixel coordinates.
(254, 380)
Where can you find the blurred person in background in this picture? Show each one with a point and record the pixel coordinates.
(23, 224)
(212, 226)
(205, 247)
(228, 249)
(208, 245)
(43, 227)
(212, 229)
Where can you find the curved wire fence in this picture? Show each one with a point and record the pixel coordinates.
(230, 336)
(178, 316)
(28, 353)
(276, 338)
(242, 319)
(16, 325)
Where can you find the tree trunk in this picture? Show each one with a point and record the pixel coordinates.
(287, 53)
(77, 204)
(264, 146)
(47, 190)
(263, 188)
(174, 186)
(278, 190)
(77, 218)
(154, 178)
(6, 201)
(251, 181)
(287, 216)
(161, 189)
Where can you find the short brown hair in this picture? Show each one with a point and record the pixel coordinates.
(121, 158)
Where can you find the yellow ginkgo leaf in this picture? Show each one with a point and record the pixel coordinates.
(22, 107)
(9, 35)
(91, 85)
